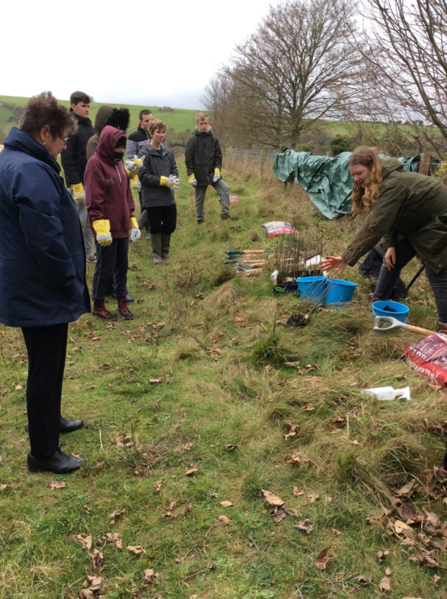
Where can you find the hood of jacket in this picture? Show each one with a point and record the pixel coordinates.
(101, 117)
(23, 142)
(107, 143)
(201, 134)
(389, 165)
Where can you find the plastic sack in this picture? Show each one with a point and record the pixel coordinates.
(277, 228)
(429, 358)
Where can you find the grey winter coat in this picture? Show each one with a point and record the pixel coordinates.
(154, 167)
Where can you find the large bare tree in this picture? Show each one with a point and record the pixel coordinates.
(294, 70)
(404, 48)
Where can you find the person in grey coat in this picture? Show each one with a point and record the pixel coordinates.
(159, 178)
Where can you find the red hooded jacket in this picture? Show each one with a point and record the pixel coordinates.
(107, 187)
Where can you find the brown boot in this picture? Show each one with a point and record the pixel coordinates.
(124, 310)
(100, 311)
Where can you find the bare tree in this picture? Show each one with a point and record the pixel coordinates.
(294, 70)
(404, 47)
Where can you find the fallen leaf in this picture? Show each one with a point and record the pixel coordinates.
(387, 571)
(291, 364)
(382, 555)
(374, 520)
(116, 514)
(3, 488)
(385, 585)
(155, 381)
(148, 576)
(97, 559)
(297, 491)
(85, 540)
(406, 489)
(158, 486)
(402, 528)
(138, 550)
(323, 558)
(113, 537)
(19, 387)
(230, 447)
(312, 497)
(432, 518)
(435, 579)
(272, 499)
(191, 470)
(306, 526)
(225, 521)
(57, 485)
(308, 408)
(292, 432)
(364, 580)
(407, 511)
(226, 503)
(336, 532)
(293, 512)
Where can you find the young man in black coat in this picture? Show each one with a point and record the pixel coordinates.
(74, 161)
(203, 158)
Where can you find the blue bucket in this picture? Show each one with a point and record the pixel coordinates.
(397, 310)
(339, 292)
(312, 289)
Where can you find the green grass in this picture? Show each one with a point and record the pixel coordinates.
(212, 339)
(179, 120)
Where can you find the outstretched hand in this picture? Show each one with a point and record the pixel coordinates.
(331, 262)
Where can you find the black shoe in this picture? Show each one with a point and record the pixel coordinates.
(68, 426)
(59, 463)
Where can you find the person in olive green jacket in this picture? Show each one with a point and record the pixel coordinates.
(409, 211)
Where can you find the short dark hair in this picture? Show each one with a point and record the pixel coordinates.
(77, 97)
(144, 113)
(44, 110)
(157, 124)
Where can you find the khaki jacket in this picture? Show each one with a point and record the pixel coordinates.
(411, 205)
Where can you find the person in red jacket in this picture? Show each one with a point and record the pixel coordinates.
(111, 216)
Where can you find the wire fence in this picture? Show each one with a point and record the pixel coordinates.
(254, 161)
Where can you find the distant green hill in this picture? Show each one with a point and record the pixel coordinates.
(179, 120)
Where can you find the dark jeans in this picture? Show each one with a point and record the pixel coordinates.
(388, 279)
(162, 219)
(46, 363)
(111, 263)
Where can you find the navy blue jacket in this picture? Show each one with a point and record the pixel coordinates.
(42, 256)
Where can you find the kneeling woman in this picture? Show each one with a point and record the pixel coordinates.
(410, 211)
(159, 178)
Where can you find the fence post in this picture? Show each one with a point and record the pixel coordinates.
(330, 154)
(424, 165)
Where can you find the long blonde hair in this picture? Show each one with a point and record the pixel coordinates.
(364, 197)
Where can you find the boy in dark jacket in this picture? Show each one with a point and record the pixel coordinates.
(203, 158)
(74, 161)
(111, 215)
(141, 134)
(158, 177)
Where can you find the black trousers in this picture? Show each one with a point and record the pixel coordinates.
(162, 219)
(112, 263)
(47, 348)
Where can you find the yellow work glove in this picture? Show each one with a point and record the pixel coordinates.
(102, 230)
(135, 232)
(135, 182)
(192, 180)
(217, 175)
(133, 166)
(78, 193)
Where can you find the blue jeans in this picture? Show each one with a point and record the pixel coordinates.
(388, 279)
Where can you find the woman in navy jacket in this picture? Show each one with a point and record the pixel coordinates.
(42, 269)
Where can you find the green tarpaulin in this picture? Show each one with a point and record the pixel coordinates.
(327, 181)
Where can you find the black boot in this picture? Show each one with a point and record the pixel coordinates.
(68, 426)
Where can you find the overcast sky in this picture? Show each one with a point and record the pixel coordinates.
(139, 52)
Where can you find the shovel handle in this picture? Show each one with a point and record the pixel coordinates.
(419, 330)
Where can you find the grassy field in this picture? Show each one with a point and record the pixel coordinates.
(180, 120)
(204, 401)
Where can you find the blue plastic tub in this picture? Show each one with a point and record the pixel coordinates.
(339, 292)
(312, 289)
(397, 310)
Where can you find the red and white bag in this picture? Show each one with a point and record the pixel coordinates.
(429, 358)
